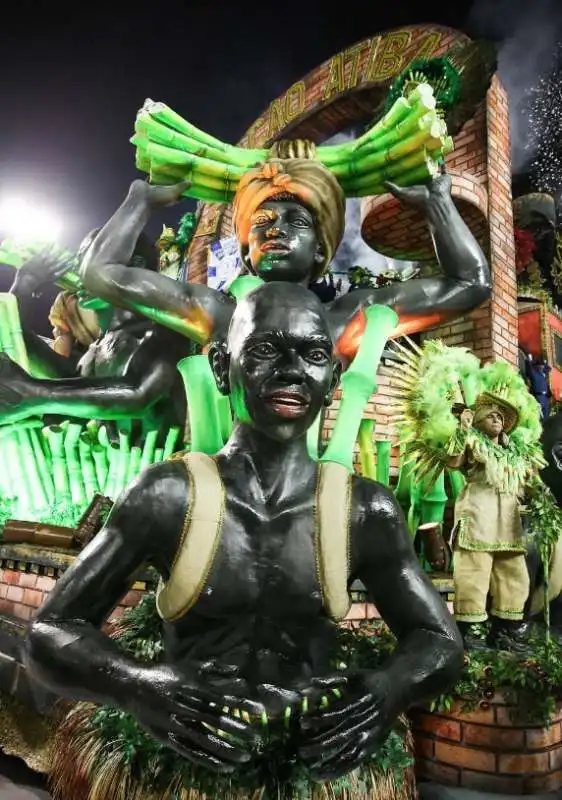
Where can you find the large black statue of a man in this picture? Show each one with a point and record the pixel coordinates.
(289, 217)
(256, 548)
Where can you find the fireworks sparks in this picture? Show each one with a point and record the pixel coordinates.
(544, 112)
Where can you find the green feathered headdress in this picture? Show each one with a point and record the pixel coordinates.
(435, 383)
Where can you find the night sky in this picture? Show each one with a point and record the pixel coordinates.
(72, 80)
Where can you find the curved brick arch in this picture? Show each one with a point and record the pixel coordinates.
(344, 90)
(401, 232)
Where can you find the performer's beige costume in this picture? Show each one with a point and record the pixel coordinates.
(488, 541)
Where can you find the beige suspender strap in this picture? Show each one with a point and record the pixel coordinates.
(333, 515)
(199, 541)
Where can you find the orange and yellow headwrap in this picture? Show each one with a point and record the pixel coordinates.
(309, 181)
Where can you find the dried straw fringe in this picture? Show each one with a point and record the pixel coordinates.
(82, 769)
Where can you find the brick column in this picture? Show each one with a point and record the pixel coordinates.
(490, 331)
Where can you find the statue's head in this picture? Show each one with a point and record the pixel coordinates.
(289, 218)
(552, 448)
(278, 364)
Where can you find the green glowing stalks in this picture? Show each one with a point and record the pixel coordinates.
(55, 437)
(87, 465)
(111, 482)
(122, 463)
(134, 464)
(358, 384)
(101, 465)
(6, 342)
(170, 442)
(37, 493)
(19, 349)
(158, 453)
(383, 461)
(433, 502)
(77, 490)
(202, 403)
(366, 451)
(147, 456)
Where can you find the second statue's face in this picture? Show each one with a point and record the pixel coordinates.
(281, 366)
(283, 243)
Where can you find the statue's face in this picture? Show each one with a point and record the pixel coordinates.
(281, 367)
(283, 244)
(491, 425)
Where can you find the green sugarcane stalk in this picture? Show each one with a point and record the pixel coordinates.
(92, 428)
(150, 130)
(6, 342)
(434, 501)
(333, 154)
(194, 190)
(134, 464)
(77, 489)
(112, 452)
(162, 113)
(366, 451)
(224, 412)
(201, 392)
(99, 454)
(55, 437)
(37, 492)
(313, 438)
(20, 350)
(158, 453)
(383, 461)
(148, 449)
(43, 465)
(14, 427)
(358, 384)
(103, 438)
(91, 485)
(194, 161)
(123, 462)
(389, 171)
(21, 488)
(170, 442)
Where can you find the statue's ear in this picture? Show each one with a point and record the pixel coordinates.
(319, 255)
(245, 256)
(336, 375)
(219, 359)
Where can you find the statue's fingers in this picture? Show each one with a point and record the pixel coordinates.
(218, 721)
(215, 745)
(336, 714)
(199, 757)
(346, 731)
(344, 763)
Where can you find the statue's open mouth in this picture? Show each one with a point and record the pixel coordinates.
(275, 247)
(288, 404)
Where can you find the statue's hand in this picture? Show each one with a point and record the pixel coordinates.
(158, 196)
(16, 388)
(339, 735)
(423, 196)
(46, 266)
(192, 712)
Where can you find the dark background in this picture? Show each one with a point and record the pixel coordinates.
(72, 78)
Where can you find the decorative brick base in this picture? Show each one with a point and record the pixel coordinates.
(488, 750)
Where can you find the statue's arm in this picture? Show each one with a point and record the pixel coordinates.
(422, 303)
(148, 378)
(65, 648)
(429, 654)
(193, 308)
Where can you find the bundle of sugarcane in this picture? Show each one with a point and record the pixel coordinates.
(405, 146)
(56, 471)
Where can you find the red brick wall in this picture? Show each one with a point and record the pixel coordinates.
(488, 751)
(22, 593)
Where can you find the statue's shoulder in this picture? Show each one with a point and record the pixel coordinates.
(372, 499)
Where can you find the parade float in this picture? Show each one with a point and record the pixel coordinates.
(67, 475)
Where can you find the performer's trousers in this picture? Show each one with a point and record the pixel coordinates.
(503, 575)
